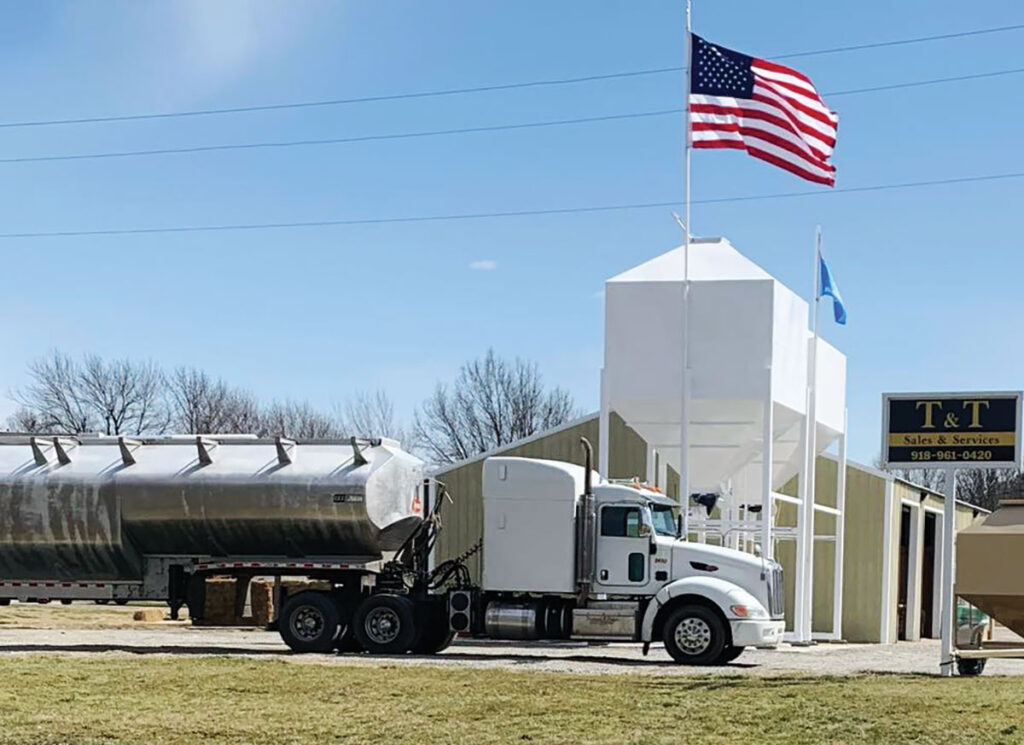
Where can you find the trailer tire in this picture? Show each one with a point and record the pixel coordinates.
(695, 635)
(5, 601)
(386, 624)
(309, 622)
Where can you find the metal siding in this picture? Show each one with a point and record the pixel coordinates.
(863, 560)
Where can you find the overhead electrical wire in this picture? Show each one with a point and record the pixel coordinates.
(478, 89)
(505, 214)
(455, 131)
(335, 140)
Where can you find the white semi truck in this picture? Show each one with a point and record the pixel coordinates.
(566, 554)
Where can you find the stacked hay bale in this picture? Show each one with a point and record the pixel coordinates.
(261, 601)
(221, 593)
(219, 609)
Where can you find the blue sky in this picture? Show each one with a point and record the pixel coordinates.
(930, 276)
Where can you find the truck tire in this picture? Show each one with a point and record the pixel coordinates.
(729, 654)
(695, 635)
(386, 624)
(436, 634)
(309, 622)
(434, 639)
(347, 642)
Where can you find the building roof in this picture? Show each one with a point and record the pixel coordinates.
(710, 259)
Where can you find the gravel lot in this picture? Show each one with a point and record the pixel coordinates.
(180, 639)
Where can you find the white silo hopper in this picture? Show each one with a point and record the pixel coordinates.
(749, 342)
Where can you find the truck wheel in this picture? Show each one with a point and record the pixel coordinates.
(309, 622)
(347, 642)
(435, 639)
(694, 635)
(970, 668)
(729, 653)
(386, 624)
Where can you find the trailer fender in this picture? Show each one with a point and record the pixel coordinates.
(722, 593)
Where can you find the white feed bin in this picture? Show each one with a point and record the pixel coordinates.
(749, 341)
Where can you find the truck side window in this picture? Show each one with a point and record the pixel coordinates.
(620, 522)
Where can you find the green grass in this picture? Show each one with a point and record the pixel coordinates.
(220, 700)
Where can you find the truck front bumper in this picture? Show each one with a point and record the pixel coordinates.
(756, 633)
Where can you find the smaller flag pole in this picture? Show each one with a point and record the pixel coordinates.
(812, 448)
(684, 413)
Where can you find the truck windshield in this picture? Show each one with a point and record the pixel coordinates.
(665, 520)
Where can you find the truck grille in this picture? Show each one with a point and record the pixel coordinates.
(776, 594)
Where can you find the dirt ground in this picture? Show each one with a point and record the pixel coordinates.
(103, 631)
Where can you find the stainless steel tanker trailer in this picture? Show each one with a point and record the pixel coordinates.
(566, 555)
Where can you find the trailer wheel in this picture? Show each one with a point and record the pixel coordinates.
(970, 668)
(694, 635)
(386, 624)
(729, 653)
(309, 622)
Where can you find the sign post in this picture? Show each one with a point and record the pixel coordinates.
(950, 431)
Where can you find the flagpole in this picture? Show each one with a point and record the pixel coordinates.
(812, 448)
(684, 421)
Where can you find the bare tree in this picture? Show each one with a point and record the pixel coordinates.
(25, 420)
(299, 420)
(128, 397)
(118, 397)
(492, 402)
(54, 395)
(370, 415)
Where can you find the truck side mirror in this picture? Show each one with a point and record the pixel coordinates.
(644, 530)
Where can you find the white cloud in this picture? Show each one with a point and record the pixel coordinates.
(483, 265)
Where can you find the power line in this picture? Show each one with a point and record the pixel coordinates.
(933, 81)
(477, 89)
(336, 140)
(901, 42)
(508, 214)
(457, 131)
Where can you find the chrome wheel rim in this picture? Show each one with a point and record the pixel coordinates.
(308, 623)
(693, 635)
(382, 625)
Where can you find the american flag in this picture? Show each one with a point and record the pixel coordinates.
(771, 111)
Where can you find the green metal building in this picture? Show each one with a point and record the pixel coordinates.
(892, 538)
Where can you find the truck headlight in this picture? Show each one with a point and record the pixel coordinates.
(746, 611)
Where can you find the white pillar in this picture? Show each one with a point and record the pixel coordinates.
(649, 470)
(767, 453)
(948, 619)
(801, 634)
(603, 430)
(837, 583)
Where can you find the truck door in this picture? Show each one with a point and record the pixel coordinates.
(623, 547)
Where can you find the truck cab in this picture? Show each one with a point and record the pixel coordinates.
(616, 551)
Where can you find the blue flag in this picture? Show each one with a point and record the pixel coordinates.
(827, 286)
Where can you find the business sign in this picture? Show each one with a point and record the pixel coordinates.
(942, 430)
